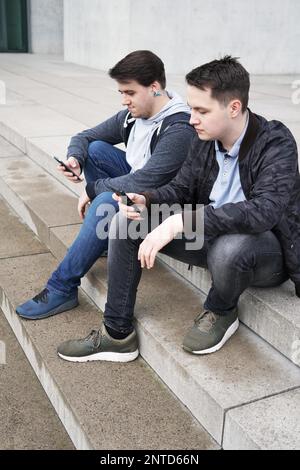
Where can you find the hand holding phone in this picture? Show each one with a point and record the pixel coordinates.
(138, 202)
(67, 169)
(125, 199)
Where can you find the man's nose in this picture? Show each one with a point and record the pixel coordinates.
(194, 120)
(125, 101)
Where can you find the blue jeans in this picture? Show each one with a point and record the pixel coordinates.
(104, 161)
(235, 262)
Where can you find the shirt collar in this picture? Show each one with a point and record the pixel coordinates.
(234, 151)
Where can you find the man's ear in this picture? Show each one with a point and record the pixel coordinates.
(156, 89)
(235, 108)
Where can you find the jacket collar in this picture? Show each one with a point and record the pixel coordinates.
(235, 149)
(250, 135)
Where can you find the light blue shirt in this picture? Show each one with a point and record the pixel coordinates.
(227, 187)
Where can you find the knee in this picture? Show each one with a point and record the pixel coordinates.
(103, 198)
(231, 252)
(103, 206)
(97, 150)
(96, 147)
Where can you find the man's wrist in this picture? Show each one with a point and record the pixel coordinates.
(177, 223)
(173, 224)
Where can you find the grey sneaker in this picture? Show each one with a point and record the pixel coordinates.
(100, 346)
(210, 332)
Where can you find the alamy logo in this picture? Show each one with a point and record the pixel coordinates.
(2, 353)
(296, 93)
(135, 229)
(2, 92)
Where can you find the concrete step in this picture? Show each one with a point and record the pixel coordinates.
(8, 150)
(271, 313)
(28, 421)
(247, 369)
(35, 120)
(101, 405)
(42, 149)
(271, 424)
(43, 201)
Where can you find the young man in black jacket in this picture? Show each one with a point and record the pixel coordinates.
(242, 184)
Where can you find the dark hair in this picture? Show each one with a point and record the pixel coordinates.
(226, 78)
(142, 66)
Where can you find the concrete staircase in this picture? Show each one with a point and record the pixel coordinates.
(101, 405)
(245, 396)
(28, 420)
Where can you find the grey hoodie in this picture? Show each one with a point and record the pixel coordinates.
(155, 169)
(138, 145)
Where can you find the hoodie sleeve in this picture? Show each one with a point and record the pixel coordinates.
(109, 131)
(168, 156)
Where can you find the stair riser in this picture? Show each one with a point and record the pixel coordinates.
(13, 137)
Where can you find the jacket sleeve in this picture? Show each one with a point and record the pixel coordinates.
(269, 195)
(168, 156)
(109, 131)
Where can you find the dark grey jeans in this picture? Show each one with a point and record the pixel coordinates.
(235, 262)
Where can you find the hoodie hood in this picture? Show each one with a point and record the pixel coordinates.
(138, 146)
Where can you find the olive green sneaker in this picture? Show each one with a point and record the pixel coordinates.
(210, 332)
(100, 346)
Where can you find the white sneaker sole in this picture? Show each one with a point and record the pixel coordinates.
(231, 330)
(104, 356)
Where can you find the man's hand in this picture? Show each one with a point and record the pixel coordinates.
(130, 211)
(158, 238)
(73, 164)
(84, 200)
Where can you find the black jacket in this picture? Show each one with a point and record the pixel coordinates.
(268, 164)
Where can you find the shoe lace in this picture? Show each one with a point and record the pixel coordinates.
(205, 321)
(41, 297)
(95, 336)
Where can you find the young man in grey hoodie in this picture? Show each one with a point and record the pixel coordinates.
(156, 131)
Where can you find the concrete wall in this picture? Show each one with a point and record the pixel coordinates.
(46, 26)
(185, 33)
(96, 32)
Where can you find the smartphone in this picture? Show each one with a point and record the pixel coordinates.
(66, 167)
(126, 200)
